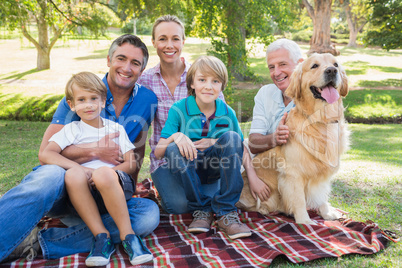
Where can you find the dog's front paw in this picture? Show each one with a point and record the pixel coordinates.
(330, 213)
(308, 221)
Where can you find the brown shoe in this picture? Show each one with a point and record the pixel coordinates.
(231, 225)
(201, 222)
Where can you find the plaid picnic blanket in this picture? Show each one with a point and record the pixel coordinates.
(273, 235)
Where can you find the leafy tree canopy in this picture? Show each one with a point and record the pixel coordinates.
(387, 22)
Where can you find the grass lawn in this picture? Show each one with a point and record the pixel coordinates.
(368, 186)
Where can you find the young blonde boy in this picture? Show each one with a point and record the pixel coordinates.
(202, 143)
(97, 187)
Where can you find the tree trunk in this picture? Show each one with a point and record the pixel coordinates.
(236, 39)
(43, 57)
(321, 15)
(134, 26)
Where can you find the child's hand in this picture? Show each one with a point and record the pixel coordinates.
(204, 143)
(259, 188)
(185, 145)
(88, 172)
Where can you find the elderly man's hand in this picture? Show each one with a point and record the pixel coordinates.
(281, 134)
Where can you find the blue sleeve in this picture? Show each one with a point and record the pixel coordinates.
(173, 121)
(63, 114)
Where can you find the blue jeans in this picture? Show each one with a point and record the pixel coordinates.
(171, 191)
(220, 162)
(42, 192)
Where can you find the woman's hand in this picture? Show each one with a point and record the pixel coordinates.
(185, 145)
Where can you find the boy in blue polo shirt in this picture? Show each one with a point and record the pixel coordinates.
(202, 142)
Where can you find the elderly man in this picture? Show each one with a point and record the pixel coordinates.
(42, 192)
(272, 105)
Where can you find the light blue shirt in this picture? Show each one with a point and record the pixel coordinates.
(268, 110)
(185, 117)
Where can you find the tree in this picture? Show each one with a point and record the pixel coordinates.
(357, 13)
(386, 24)
(51, 17)
(229, 22)
(320, 14)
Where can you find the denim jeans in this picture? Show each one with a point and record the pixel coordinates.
(41, 193)
(221, 162)
(171, 191)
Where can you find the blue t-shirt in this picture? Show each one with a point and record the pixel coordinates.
(185, 117)
(136, 115)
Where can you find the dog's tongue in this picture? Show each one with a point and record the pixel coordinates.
(330, 94)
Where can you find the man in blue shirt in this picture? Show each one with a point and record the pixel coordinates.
(42, 192)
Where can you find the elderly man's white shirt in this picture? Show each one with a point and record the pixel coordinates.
(268, 110)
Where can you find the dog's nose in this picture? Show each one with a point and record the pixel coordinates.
(331, 71)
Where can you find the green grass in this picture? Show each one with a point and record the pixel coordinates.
(368, 185)
(374, 106)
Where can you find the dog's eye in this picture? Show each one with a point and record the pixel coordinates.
(336, 64)
(314, 66)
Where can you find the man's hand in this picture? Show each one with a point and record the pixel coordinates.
(185, 145)
(108, 151)
(281, 134)
(204, 143)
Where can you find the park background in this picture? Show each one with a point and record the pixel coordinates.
(369, 183)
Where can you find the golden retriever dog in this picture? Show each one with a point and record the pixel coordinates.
(299, 172)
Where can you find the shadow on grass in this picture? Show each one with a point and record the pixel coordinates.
(19, 107)
(382, 83)
(378, 143)
(18, 75)
(97, 54)
(348, 51)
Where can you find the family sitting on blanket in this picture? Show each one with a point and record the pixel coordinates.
(212, 133)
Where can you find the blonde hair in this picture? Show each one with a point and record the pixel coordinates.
(167, 18)
(86, 81)
(207, 65)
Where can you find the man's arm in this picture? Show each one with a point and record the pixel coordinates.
(259, 143)
(105, 150)
(139, 153)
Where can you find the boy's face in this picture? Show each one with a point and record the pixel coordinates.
(207, 87)
(88, 105)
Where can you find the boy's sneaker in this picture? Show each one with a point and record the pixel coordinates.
(231, 225)
(201, 222)
(28, 248)
(136, 249)
(101, 251)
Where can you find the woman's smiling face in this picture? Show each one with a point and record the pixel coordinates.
(168, 41)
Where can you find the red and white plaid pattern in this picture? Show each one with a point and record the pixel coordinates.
(152, 79)
(273, 235)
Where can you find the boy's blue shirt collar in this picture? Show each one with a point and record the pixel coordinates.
(109, 98)
(192, 107)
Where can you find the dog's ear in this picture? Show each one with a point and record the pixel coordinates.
(294, 89)
(344, 87)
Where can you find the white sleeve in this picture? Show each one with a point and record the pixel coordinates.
(124, 142)
(66, 136)
(260, 123)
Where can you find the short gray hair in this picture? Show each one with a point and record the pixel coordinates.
(133, 40)
(294, 50)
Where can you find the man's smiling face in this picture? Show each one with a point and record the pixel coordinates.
(280, 68)
(125, 67)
